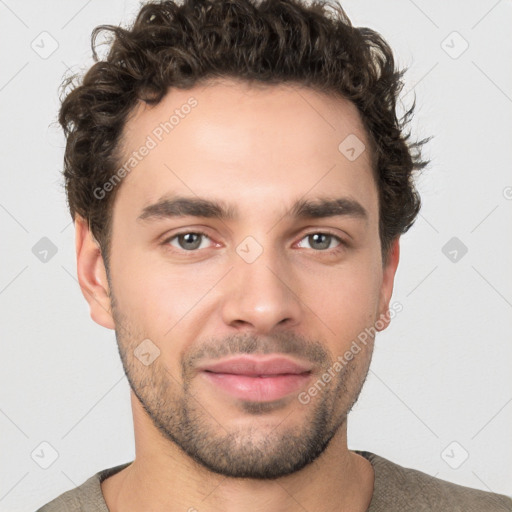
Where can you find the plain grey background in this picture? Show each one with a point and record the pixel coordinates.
(439, 394)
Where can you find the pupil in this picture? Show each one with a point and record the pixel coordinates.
(189, 240)
(317, 237)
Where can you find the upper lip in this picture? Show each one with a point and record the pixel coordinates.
(250, 365)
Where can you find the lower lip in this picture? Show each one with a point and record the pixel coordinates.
(258, 389)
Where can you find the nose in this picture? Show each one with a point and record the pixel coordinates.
(261, 296)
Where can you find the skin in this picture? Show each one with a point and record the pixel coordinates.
(258, 149)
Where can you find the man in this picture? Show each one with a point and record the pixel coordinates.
(239, 182)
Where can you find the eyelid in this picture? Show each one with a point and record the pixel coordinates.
(201, 232)
(342, 242)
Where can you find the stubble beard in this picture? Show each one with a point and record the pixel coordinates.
(256, 450)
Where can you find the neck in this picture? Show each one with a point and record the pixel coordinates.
(164, 478)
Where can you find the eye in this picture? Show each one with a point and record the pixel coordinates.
(188, 241)
(193, 240)
(323, 241)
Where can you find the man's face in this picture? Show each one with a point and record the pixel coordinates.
(262, 282)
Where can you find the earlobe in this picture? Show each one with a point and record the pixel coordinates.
(92, 275)
(388, 279)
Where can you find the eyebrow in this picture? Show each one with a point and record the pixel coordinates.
(179, 206)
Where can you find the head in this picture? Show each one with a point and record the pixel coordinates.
(239, 181)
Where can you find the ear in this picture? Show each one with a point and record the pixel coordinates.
(388, 279)
(92, 275)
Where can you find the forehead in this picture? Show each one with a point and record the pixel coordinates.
(248, 143)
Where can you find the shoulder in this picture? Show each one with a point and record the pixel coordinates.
(403, 489)
(84, 498)
(73, 500)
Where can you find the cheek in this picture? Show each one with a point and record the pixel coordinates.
(346, 299)
(158, 295)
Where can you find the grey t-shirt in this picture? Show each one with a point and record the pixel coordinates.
(396, 489)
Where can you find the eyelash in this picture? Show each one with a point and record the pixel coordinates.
(342, 244)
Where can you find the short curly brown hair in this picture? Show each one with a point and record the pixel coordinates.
(181, 45)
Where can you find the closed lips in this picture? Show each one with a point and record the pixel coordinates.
(257, 379)
(253, 367)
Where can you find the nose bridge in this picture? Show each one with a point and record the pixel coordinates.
(260, 292)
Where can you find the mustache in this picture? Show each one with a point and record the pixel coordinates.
(288, 343)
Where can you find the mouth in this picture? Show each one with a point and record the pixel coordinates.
(257, 379)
